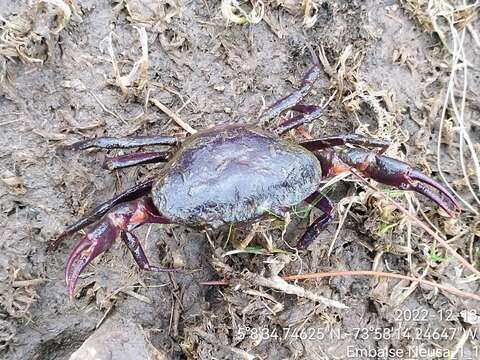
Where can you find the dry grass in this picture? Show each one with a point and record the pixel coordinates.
(136, 81)
(17, 294)
(353, 93)
(29, 35)
(454, 23)
(253, 11)
(438, 16)
(243, 12)
(137, 78)
(141, 13)
(308, 9)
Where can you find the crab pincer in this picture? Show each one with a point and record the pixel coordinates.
(392, 172)
(120, 220)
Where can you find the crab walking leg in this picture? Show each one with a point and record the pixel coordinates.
(293, 98)
(122, 142)
(323, 203)
(128, 195)
(387, 171)
(101, 237)
(309, 114)
(139, 256)
(124, 161)
(305, 109)
(339, 140)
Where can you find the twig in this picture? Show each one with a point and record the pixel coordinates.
(339, 227)
(173, 116)
(137, 296)
(10, 122)
(104, 316)
(104, 108)
(26, 283)
(459, 345)
(319, 275)
(409, 290)
(277, 283)
(215, 283)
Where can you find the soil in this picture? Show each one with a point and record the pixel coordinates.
(210, 72)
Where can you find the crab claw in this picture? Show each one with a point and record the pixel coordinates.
(88, 248)
(418, 184)
(399, 174)
(119, 219)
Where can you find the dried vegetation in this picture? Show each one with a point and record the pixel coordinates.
(29, 36)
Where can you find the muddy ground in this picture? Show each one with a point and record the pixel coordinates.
(210, 72)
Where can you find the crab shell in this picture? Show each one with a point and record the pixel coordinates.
(234, 174)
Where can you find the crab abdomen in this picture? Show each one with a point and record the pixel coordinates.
(232, 174)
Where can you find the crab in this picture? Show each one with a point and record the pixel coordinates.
(232, 174)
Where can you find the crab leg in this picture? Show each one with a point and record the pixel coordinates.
(292, 99)
(130, 194)
(308, 114)
(296, 96)
(101, 237)
(122, 142)
(138, 254)
(323, 203)
(124, 161)
(338, 140)
(387, 171)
